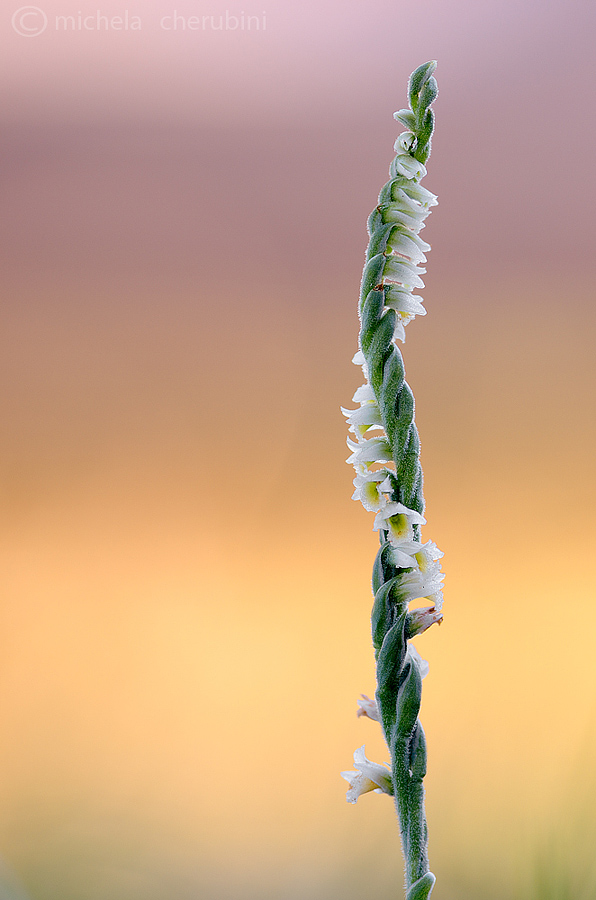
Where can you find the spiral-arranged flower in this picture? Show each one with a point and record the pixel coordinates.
(386, 456)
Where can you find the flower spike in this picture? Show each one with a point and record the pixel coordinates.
(388, 482)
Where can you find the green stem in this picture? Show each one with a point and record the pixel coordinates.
(399, 682)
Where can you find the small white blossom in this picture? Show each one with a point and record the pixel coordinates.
(361, 420)
(359, 360)
(401, 215)
(409, 167)
(405, 249)
(411, 198)
(415, 585)
(436, 598)
(399, 332)
(401, 558)
(364, 394)
(398, 520)
(403, 554)
(401, 320)
(428, 561)
(404, 142)
(428, 555)
(368, 708)
(402, 240)
(421, 664)
(419, 620)
(371, 488)
(368, 776)
(404, 302)
(403, 272)
(376, 449)
(423, 196)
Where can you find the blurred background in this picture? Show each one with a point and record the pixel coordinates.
(185, 580)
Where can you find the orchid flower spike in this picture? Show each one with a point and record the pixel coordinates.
(385, 453)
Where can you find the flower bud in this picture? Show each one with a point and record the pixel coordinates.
(420, 620)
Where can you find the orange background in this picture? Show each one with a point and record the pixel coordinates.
(185, 596)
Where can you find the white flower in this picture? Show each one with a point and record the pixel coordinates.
(401, 215)
(373, 450)
(428, 562)
(409, 203)
(403, 554)
(415, 585)
(359, 360)
(368, 776)
(419, 620)
(405, 249)
(361, 420)
(401, 558)
(369, 708)
(419, 193)
(398, 520)
(421, 664)
(402, 240)
(403, 272)
(404, 302)
(436, 598)
(399, 332)
(403, 196)
(404, 141)
(428, 555)
(371, 488)
(364, 394)
(407, 166)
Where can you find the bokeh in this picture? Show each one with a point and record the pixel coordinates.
(186, 582)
